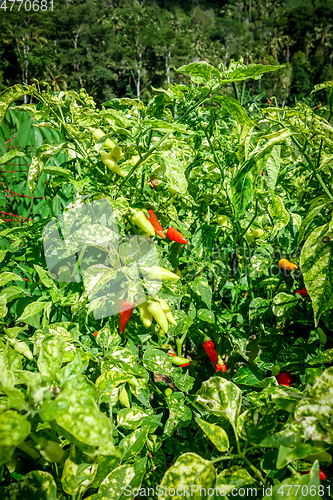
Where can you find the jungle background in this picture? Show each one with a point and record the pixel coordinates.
(127, 48)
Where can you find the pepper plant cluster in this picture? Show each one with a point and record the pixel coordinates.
(215, 371)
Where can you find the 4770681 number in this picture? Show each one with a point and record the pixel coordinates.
(26, 5)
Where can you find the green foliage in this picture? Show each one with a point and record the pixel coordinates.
(84, 409)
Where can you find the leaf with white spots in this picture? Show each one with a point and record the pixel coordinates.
(157, 361)
(317, 268)
(220, 397)
(215, 433)
(7, 276)
(36, 485)
(189, 471)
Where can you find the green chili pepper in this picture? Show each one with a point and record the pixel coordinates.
(155, 309)
(139, 219)
(145, 315)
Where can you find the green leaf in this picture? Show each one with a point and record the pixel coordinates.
(43, 153)
(220, 397)
(272, 167)
(3, 307)
(44, 277)
(282, 303)
(14, 153)
(256, 423)
(235, 108)
(179, 414)
(296, 488)
(77, 413)
(174, 172)
(215, 433)
(132, 444)
(278, 212)
(317, 269)
(287, 455)
(206, 315)
(35, 485)
(200, 72)
(251, 376)
(105, 465)
(292, 434)
(14, 428)
(131, 418)
(78, 472)
(12, 292)
(254, 71)
(11, 94)
(7, 276)
(51, 356)
(241, 189)
(201, 287)
(315, 410)
(322, 358)
(16, 398)
(183, 474)
(121, 481)
(183, 381)
(157, 361)
(32, 309)
(231, 480)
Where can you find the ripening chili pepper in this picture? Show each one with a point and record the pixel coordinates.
(303, 292)
(322, 475)
(126, 313)
(288, 266)
(175, 235)
(158, 314)
(177, 360)
(156, 224)
(139, 219)
(95, 334)
(222, 367)
(111, 164)
(284, 378)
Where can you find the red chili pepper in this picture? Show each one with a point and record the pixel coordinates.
(95, 334)
(322, 475)
(284, 378)
(208, 345)
(156, 224)
(303, 292)
(175, 235)
(222, 367)
(175, 355)
(126, 313)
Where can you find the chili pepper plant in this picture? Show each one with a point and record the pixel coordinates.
(166, 313)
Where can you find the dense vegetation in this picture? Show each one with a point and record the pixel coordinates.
(91, 400)
(124, 48)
